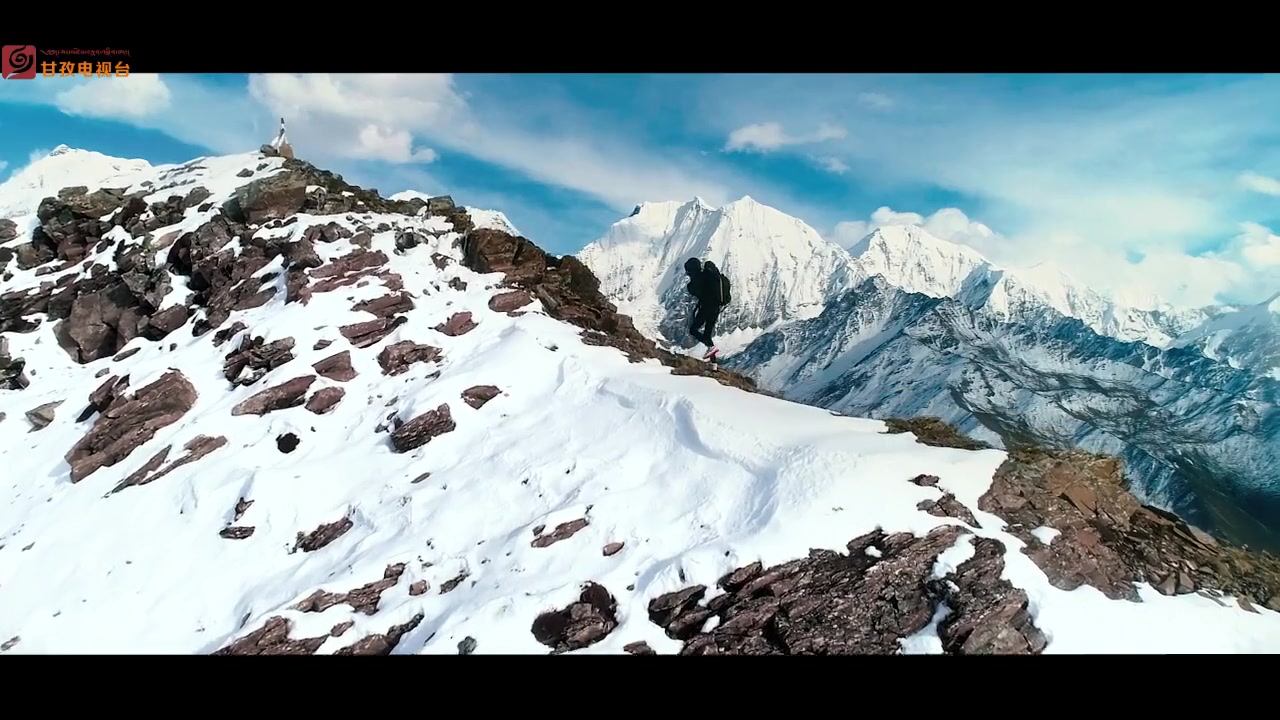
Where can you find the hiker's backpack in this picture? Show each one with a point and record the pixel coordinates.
(724, 296)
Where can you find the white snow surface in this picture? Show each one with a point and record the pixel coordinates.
(695, 478)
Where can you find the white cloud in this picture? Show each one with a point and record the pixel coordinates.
(3, 164)
(770, 136)
(875, 100)
(832, 165)
(380, 116)
(1259, 245)
(132, 97)
(1259, 183)
(947, 223)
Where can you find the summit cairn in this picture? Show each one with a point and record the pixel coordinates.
(279, 146)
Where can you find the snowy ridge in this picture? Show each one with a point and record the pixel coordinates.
(1247, 338)
(781, 269)
(66, 167)
(916, 261)
(499, 517)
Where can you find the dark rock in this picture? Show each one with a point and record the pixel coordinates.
(325, 399)
(364, 334)
(363, 599)
(476, 396)
(933, 431)
(258, 357)
(323, 535)
(288, 394)
(336, 367)
(1109, 540)
(386, 306)
(194, 449)
(459, 323)
(130, 422)
(581, 624)
(422, 429)
(287, 442)
(509, 301)
(563, 531)
(397, 358)
(236, 532)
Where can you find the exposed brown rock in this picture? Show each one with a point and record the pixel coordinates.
(612, 549)
(336, 367)
(41, 415)
(459, 323)
(364, 334)
(422, 429)
(397, 358)
(638, 648)
(949, 506)
(258, 357)
(383, 643)
(506, 302)
(477, 395)
(325, 399)
(581, 624)
(363, 599)
(933, 431)
(130, 422)
(387, 305)
(1108, 539)
(288, 394)
(194, 449)
(272, 639)
(236, 532)
(419, 587)
(835, 604)
(12, 376)
(451, 584)
(242, 507)
(323, 535)
(228, 332)
(563, 531)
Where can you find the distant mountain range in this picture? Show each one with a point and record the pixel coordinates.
(905, 323)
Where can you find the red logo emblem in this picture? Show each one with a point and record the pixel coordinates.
(18, 62)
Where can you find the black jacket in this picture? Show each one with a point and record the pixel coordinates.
(704, 285)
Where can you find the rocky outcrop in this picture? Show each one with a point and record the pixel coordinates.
(581, 624)
(1104, 537)
(131, 421)
(867, 601)
(398, 358)
(288, 394)
(479, 395)
(422, 429)
(12, 375)
(363, 599)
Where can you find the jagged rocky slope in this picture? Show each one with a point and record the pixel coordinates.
(918, 325)
(251, 409)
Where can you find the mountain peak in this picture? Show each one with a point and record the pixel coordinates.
(63, 150)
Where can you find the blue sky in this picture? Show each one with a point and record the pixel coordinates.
(1143, 183)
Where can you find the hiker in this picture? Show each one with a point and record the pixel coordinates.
(711, 290)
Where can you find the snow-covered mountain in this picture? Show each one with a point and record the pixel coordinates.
(781, 268)
(914, 260)
(248, 408)
(1246, 338)
(932, 327)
